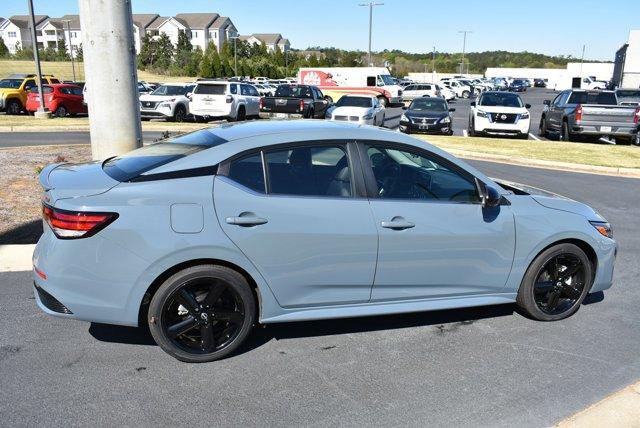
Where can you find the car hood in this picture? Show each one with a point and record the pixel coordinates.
(427, 114)
(67, 180)
(149, 97)
(499, 109)
(552, 200)
(7, 90)
(351, 111)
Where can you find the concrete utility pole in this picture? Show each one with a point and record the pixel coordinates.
(41, 112)
(235, 53)
(464, 48)
(370, 5)
(111, 77)
(73, 66)
(582, 59)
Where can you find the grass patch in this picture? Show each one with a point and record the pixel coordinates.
(578, 153)
(30, 123)
(63, 71)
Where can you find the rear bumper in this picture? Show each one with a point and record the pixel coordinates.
(277, 115)
(616, 130)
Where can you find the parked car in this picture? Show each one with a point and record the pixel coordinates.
(418, 90)
(230, 100)
(590, 83)
(427, 115)
(461, 90)
(500, 84)
(539, 83)
(305, 101)
(499, 113)
(168, 102)
(358, 108)
(628, 97)
(59, 98)
(596, 114)
(446, 93)
(264, 90)
(218, 230)
(518, 85)
(15, 88)
(260, 79)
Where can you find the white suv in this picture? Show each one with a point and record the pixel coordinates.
(418, 90)
(462, 91)
(499, 113)
(230, 100)
(168, 102)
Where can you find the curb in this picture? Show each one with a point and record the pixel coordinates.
(16, 258)
(620, 409)
(559, 166)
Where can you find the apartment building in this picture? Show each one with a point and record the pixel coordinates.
(16, 31)
(271, 40)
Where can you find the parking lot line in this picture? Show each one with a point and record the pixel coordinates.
(534, 137)
(464, 133)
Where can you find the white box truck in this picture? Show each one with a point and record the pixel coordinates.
(337, 81)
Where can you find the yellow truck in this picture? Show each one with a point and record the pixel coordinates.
(14, 90)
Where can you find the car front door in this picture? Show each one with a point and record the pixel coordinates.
(320, 104)
(556, 111)
(308, 227)
(435, 237)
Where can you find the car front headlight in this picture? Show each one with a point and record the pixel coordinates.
(445, 119)
(481, 113)
(525, 115)
(404, 118)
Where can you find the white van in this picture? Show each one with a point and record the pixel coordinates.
(230, 100)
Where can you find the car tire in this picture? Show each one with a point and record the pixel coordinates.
(189, 327)
(565, 135)
(13, 107)
(636, 139)
(624, 141)
(542, 129)
(240, 115)
(179, 114)
(543, 285)
(61, 111)
(471, 131)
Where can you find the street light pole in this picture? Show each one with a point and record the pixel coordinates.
(36, 56)
(235, 53)
(370, 5)
(464, 47)
(73, 66)
(582, 59)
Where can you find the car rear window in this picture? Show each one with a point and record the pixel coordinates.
(603, 98)
(130, 165)
(210, 89)
(293, 91)
(45, 89)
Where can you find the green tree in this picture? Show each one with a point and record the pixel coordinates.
(164, 51)
(4, 50)
(147, 51)
(79, 53)
(184, 44)
(206, 68)
(61, 54)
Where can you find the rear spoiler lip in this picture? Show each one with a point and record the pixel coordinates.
(44, 175)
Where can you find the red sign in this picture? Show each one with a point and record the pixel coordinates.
(317, 78)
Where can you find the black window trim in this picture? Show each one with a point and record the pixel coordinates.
(372, 185)
(358, 190)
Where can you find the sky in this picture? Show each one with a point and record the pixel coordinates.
(554, 27)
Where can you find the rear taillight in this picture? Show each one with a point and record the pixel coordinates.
(636, 118)
(75, 224)
(229, 99)
(301, 105)
(578, 112)
(261, 103)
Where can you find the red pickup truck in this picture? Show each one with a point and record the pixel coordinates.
(61, 99)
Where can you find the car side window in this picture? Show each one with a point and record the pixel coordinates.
(408, 174)
(253, 91)
(233, 88)
(76, 91)
(248, 172)
(310, 171)
(29, 84)
(64, 91)
(320, 94)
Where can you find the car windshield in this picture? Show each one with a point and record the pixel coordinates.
(500, 100)
(130, 165)
(349, 101)
(293, 91)
(171, 90)
(428, 104)
(602, 98)
(10, 83)
(387, 79)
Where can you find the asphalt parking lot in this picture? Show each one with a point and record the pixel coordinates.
(473, 367)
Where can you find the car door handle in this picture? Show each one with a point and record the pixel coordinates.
(397, 223)
(246, 220)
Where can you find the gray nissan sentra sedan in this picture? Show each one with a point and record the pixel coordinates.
(205, 235)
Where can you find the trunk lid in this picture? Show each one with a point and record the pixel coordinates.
(66, 180)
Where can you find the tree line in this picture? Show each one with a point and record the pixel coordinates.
(159, 55)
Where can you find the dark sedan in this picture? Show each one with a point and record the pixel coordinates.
(539, 83)
(518, 85)
(427, 115)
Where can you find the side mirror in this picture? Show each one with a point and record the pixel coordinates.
(452, 109)
(489, 196)
(527, 106)
(547, 102)
(472, 103)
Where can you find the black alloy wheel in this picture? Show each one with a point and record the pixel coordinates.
(559, 284)
(556, 283)
(202, 313)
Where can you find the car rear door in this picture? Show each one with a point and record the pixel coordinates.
(300, 215)
(435, 238)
